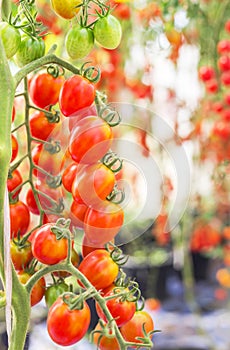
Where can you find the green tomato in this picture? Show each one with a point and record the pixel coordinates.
(54, 291)
(11, 39)
(107, 32)
(79, 42)
(29, 50)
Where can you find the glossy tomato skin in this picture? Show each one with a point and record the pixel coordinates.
(48, 85)
(14, 181)
(14, 144)
(29, 50)
(20, 256)
(66, 9)
(45, 160)
(65, 326)
(90, 140)
(77, 214)
(134, 328)
(93, 184)
(99, 268)
(76, 93)
(68, 175)
(40, 127)
(104, 342)
(11, 39)
(121, 311)
(103, 223)
(31, 202)
(38, 289)
(46, 248)
(19, 218)
(54, 291)
(108, 32)
(79, 42)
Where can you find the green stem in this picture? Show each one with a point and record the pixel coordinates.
(32, 66)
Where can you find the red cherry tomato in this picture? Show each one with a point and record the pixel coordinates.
(103, 223)
(19, 218)
(68, 175)
(90, 140)
(31, 202)
(46, 248)
(14, 145)
(224, 63)
(44, 89)
(65, 326)
(20, 255)
(223, 46)
(45, 160)
(93, 184)
(38, 289)
(40, 127)
(14, 181)
(121, 310)
(99, 268)
(134, 328)
(76, 93)
(206, 73)
(77, 214)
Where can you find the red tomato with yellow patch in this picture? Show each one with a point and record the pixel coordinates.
(90, 140)
(65, 326)
(46, 248)
(40, 127)
(102, 224)
(100, 269)
(38, 289)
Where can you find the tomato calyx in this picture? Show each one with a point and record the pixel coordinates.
(116, 196)
(116, 254)
(106, 330)
(76, 301)
(55, 70)
(112, 161)
(61, 229)
(53, 146)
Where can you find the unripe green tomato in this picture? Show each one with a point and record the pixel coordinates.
(79, 42)
(107, 32)
(29, 50)
(11, 39)
(54, 291)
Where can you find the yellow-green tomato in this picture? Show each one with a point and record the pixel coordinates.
(29, 50)
(79, 42)
(54, 291)
(11, 39)
(108, 32)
